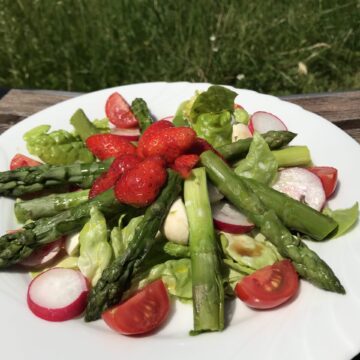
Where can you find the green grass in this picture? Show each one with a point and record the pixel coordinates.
(279, 47)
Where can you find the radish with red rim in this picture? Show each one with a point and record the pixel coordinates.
(262, 122)
(58, 294)
(44, 255)
(302, 185)
(227, 218)
(127, 134)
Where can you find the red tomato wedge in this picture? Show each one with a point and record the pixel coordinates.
(269, 287)
(20, 160)
(142, 313)
(328, 176)
(119, 113)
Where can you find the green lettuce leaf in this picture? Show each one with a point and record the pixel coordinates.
(241, 116)
(95, 251)
(215, 100)
(214, 128)
(248, 253)
(58, 147)
(260, 164)
(102, 125)
(346, 218)
(121, 236)
(176, 275)
(68, 262)
(210, 114)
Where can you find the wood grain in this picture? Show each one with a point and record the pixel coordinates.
(341, 108)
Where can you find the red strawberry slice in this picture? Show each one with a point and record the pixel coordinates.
(116, 170)
(169, 143)
(141, 185)
(104, 146)
(185, 163)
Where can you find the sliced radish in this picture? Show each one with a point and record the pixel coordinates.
(168, 118)
(214, 193)
(58, 294)
(301, 184)
(262, 122)
(127, 134)
(44, 255)
(227, 218)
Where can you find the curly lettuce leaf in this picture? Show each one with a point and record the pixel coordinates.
(176, 275)
(241, 116)
(247, 253)
(215, 100)
(58, 147)
(95, 251)
(260, 164)
(346, 218)
(210, 114)
(214, 128)
(121, 236)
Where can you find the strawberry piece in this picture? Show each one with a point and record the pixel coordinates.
(20, 160)
(119, 113)
(154, 128)
(185, 163)
(104, 146)
(141, 185)
(200, 145)
(117, 169)
(169, 143)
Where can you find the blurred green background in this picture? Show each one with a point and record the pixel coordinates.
(278, 47)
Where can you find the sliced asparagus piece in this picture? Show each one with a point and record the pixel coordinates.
(17, 246)
(207, 284)
(238, 149)
(36, 178)
(48, 205)
(142, 113)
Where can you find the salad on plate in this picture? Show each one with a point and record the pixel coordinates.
(123, 215)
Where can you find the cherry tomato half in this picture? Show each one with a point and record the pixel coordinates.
(20, 160)
(142, 313)
(119, 113)
(269, 287)
(328, 176)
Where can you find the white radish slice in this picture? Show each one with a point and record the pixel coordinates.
(127, 134)
(168, 118)
(214, 193)
(227, 218)
(301, 184)
(262, 122)
(58, 294)
(44, 255)
(239, 132)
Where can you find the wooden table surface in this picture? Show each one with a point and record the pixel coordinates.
(341, 108)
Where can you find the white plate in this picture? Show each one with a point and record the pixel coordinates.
(316, 325)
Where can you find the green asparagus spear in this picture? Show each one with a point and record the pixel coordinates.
(116, 278)
(83, 126)
(17, 246)
(48, 205)
(307, 263)
(142, 113)
(36, 178)
(292, 156)
(294, 214)
(207, 284)
(238, 149)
